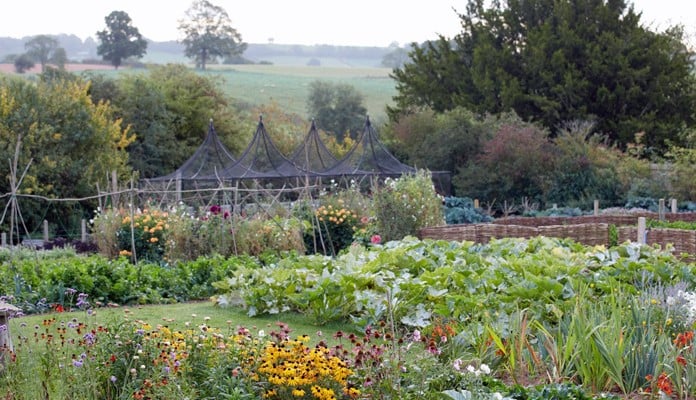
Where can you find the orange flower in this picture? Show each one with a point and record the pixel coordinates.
(684, 339)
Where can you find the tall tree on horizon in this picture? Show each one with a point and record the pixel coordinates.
(120, 39)
(42, 48)
(208, 34)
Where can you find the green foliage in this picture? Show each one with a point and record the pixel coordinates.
(337, 107)
(513, 164)
(405, 205)
(585, 169)
(69, 144)
(208, 33)
(141, 235)
(36, 283)
(333, 226)
(120, 40)
(651, 223)
(168, 110)
(554, 62)
(440, 141)
(42, 48)
(22, 63)
(460, 210)
(684, 171)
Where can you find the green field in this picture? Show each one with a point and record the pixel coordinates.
(288, 86)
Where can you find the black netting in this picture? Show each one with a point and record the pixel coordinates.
(210, 158)
(368, 157)
(262, 160)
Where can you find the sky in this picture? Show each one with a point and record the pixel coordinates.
(306, 22)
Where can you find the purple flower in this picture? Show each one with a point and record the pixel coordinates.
(89, 338)
(82, 300)
(76, 363)
(112, 379)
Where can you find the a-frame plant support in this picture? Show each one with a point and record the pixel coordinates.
(13, 205)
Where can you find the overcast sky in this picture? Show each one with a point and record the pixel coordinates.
(346, 22)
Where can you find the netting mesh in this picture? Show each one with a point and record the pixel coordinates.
(262, 160)
(211, 157)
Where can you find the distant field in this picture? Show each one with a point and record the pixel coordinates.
(288, 86)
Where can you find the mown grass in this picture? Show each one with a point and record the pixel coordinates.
(179, 316)
(288, 86)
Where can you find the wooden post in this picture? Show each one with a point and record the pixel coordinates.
(83, 229)
(178, 187)
(661, 210)
(476, 203)
(114, 189)
(596, 207)
(45, 231)
(674, 206)
(5, 338)
(641, 230)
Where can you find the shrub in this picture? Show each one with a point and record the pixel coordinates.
(513, 164)
(585, 170)
(405, 205)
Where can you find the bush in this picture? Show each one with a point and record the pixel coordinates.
(405, 205)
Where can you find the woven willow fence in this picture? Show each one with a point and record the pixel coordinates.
(589, 230)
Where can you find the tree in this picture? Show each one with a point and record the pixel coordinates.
(42, 48)
(23, 63)
(555, 61)
(396, 57)
(69, 143)
(120, 39)
(337, 108)
(208, 34)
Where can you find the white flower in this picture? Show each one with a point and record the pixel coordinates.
(262, 333)
(457, 364)
(485, 369)
(470, 368)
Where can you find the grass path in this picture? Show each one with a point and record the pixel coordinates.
(176, 316)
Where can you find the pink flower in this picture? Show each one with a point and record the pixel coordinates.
(376, 239)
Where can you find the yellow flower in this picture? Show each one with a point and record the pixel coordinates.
(298, 392)
(154, 240)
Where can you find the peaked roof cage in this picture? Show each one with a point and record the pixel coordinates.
(262, 160)
(368, 157)
(211, 156)
(312, 155)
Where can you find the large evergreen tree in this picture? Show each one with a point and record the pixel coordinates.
(553, 61)
(120, 39)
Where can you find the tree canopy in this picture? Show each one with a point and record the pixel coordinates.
(337, 108)
(554, 61)
(42, 48)
(208, 34)
(68, 143)
(120, 39)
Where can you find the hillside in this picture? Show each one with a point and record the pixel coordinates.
(172, 51)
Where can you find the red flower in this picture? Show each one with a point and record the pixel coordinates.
(376, 239)
(681, 360)
(58, 308)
